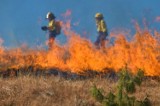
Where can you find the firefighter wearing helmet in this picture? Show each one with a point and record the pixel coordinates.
(51, 28)
(101, 29)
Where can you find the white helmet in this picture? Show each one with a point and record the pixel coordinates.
(50, 15)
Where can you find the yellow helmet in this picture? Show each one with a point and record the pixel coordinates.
(99, 15)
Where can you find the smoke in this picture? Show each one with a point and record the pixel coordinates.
(1, 41)
(157, 19)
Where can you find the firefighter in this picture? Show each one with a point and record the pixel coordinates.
(101, 29)
(51, 28)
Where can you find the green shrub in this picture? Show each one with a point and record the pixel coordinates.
(126, 85)
(97, 94)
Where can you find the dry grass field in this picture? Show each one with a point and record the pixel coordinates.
(57, 91)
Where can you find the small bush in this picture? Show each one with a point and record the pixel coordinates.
(97, 94)
(126, 85)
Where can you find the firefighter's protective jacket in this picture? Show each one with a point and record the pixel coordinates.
(52, 25)
(101, 26)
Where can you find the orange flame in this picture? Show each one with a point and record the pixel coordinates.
(79, 54)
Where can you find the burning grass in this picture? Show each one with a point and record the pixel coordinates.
(79, 55)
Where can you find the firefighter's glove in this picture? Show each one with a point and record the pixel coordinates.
(44, 28)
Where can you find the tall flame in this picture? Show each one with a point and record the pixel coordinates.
(79, 54)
